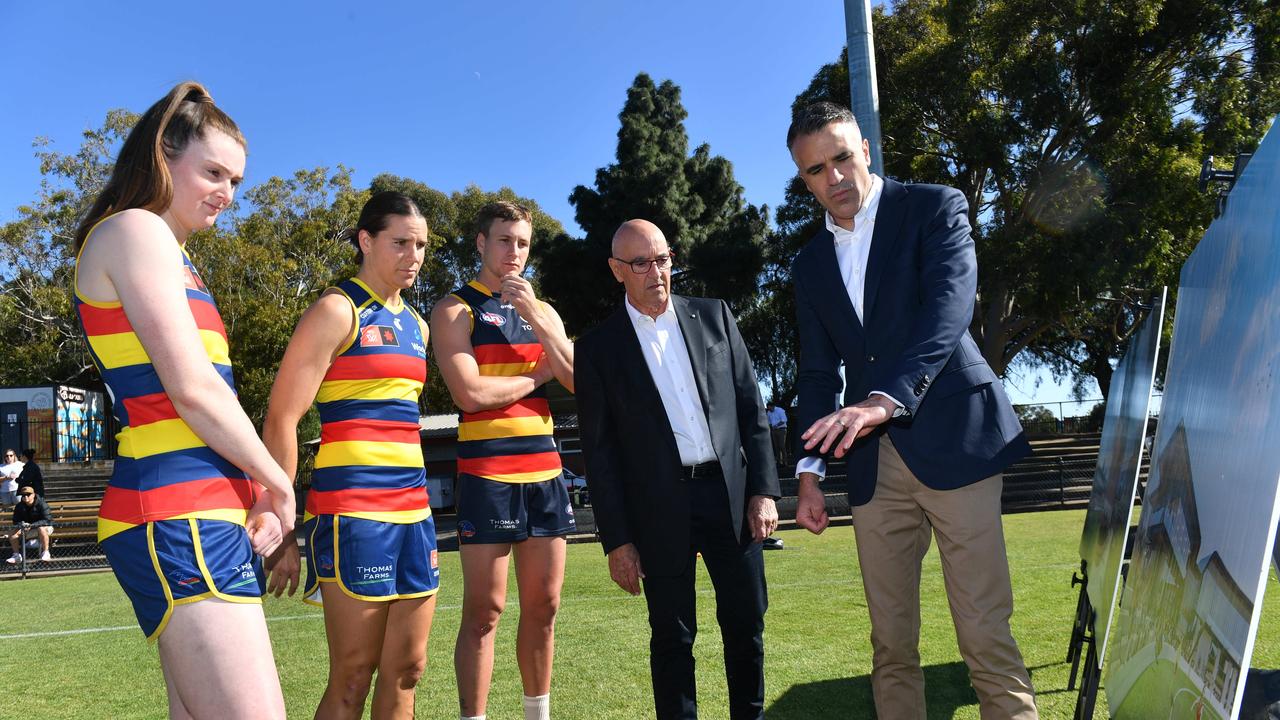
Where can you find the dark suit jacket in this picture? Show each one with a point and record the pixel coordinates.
(633, 466)
(921, 283)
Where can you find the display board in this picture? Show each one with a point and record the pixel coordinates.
(1115, 479)
(1189, 611)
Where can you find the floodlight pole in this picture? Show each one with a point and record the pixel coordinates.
(865, 98)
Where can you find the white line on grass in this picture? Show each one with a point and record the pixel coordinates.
(118, 628)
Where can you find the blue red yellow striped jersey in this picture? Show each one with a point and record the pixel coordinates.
(513, 443)
(370, 460)
(163, 470)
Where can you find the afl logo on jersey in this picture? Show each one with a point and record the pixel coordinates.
(493, 319)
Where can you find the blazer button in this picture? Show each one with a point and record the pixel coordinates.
(871, 358)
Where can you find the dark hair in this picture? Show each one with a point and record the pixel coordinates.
(501, 210)
(30, 453)
(376, 214)
(140, 178)
(813, 117)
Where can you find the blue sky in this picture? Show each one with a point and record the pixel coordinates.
(519, 94)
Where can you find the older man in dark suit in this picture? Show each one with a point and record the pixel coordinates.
(887, 291)
(679, 462)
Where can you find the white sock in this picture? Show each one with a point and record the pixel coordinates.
(471, 717)
(537, 708)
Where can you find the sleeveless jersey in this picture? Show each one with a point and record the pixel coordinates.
(514, 443)
(370, 460)
(163, 470)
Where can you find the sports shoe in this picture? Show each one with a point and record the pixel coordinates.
(13, 559)
(45, 557)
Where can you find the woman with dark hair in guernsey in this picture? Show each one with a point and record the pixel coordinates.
(360, 352)
(174, 516)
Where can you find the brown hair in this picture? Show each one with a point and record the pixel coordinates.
(376, 215)
(141, 177)
(500, 210)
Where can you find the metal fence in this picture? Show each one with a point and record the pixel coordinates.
(55, 441)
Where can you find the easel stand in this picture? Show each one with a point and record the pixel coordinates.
(1082, 637)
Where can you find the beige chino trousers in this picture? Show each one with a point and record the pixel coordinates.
(893, 532)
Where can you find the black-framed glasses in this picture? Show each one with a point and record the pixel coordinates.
(640, 267)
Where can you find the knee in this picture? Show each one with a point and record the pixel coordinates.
(541, 610)
(408, 672)
(352, 680)
(481, 622)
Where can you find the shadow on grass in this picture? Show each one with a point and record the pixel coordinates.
(946, 689)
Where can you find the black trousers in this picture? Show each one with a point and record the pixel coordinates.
(737, 573)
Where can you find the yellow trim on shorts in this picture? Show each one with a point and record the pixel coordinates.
(208, 576)
(337, 578)
(164, 585)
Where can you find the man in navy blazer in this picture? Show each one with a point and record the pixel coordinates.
(887, 291)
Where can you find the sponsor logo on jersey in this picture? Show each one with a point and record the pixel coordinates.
(435, 561)
(396, 322)
(493, 319)
(466, 529)
(378, 336)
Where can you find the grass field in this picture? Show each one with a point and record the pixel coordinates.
(83, 656)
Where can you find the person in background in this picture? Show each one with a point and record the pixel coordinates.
(31, 513)
(31, 474)
(777, 418)
(9, 472)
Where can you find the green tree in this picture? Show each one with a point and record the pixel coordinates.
(1076, 131)
(265, 267)
(40, 339)
(693, 198)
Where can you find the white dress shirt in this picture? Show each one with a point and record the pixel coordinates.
(852, 250)
(668, 359)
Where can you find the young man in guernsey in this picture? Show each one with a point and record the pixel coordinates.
(497, 345)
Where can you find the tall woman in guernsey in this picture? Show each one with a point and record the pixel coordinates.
(174, 516)
(360, 352)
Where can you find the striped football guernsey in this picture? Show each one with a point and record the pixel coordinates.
(514, 443)
(164, 471)
(370, 459)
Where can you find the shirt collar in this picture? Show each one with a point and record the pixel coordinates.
(637, 316)
(866, 214)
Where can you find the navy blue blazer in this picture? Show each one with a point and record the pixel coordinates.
(633, 466)
(921, 286)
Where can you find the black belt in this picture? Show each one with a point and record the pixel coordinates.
(701, 471)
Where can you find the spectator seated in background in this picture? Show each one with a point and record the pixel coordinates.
(9, 472)
(31, 475)
(31, 517)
